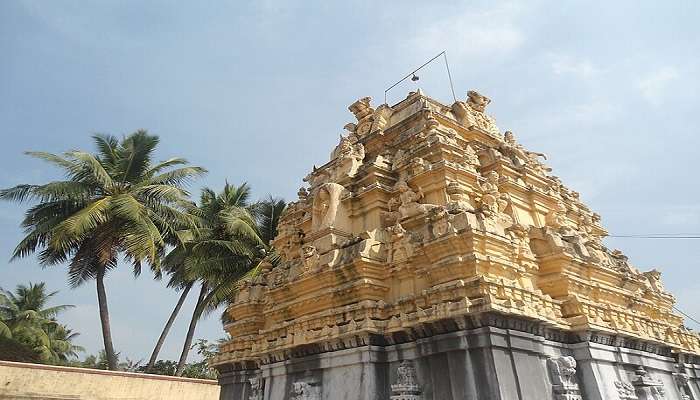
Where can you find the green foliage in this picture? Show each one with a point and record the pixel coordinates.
(100, 361)
(117, 202)
(13, 350)
(220, 249)
(114, 202)
(95, 362)
(267, 213)
(29, 322)
(162, 367)
(199, 370)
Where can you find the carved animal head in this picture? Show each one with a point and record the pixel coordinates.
(509, 137)
(477, 101)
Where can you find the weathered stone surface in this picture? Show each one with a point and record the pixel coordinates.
(433, 245)
(22, 381)
(492, 359)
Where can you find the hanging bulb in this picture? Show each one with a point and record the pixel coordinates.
(414, 77)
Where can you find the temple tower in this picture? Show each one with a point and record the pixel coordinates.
(434, 257)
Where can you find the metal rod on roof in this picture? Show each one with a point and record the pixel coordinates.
(412, 73)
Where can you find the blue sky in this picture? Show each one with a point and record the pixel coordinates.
(258, 92)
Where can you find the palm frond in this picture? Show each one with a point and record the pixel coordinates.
(19, 193)
(90, 169)
(5, 330)
(267, 213)
(75, 227)
(107, 147)
(135, 153)
(239, 223)
(64, 163)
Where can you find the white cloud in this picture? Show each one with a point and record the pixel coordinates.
(653, 86)
(682, 216)
(566, 65)
(473, 33)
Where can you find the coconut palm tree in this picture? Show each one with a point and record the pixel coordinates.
(30, 322)
(60, 347)
(24, 314)
(116, 203)
(184, 288)
(216, 254)
(267, 214)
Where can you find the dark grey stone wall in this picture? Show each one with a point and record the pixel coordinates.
(486, 363)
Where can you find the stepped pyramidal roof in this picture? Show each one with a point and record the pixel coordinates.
(426, 216)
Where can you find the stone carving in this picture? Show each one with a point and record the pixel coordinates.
(512, 150)
(408, 201)
(288, 242)
(419, 165)
(257, 388)
(625, 390)
(682, 382)
(521, 239)
(361, 108)
(598, 253)
(520, 157)
(442, 243)
(326, 205)
(471, 159)
(434, 135)
(303, 194)
(647, 386)
(363, 112)
(477, 101)
(306, 391)
(310, 257)
(458, 198)
(562, 369)
(399, 162)
(401, 246)
(440, 221)
(369, 120)
(653, 281)
(317, 177)
(556, 217)
(348, 155)
(382, 116)
(621, 263)
(493, 204)
(350, 127)
(431, 124)
(585, 227)
(406, 386)
(492, 201)
(471, 112)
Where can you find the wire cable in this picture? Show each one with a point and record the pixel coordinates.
(660, 236)
(686, 315)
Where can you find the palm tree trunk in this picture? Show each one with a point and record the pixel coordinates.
(190, 331)
(166, 329)
(104, 319)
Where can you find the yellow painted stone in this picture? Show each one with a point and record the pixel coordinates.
(428, 213)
